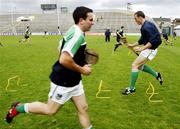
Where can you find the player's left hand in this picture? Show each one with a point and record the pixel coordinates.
(138, 49)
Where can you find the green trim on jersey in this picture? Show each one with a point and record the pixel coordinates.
(80, 41)
(74, 38)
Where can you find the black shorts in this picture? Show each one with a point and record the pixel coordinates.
(26, 37)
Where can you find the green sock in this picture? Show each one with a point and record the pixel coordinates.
(147, 69)
(20, 108)
(134, 76)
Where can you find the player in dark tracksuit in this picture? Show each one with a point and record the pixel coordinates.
(107, 35)
(119, 34)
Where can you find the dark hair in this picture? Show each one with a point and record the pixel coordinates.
(140, 14)
(122, 27)
(81, 12)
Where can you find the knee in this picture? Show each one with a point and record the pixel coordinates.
(50, 111)
(83, 109)
(134, 66)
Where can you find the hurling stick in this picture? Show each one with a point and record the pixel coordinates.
(125, 42)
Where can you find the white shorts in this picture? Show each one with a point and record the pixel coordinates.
(62, 94)
(149, 53)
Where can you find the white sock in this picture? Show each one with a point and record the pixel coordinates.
(26, 107)
(89, 127)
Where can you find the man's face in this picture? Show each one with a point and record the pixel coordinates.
(137, 19)
(88, 22)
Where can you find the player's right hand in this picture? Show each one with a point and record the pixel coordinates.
(86, 69)
(130, 45)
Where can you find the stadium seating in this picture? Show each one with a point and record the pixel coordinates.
(111, 19)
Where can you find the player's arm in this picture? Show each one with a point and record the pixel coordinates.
(143, 40)
(67, 61)
(133, 44)
(121, 36)
(118, 34)
(147, 46)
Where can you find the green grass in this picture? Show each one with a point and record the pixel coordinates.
(32, 63)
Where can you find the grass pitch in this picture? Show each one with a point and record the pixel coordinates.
(32, 64)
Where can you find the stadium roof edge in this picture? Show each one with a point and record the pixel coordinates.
(113, 10)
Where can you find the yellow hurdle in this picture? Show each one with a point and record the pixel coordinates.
(152, 93)
(100, 91)
(18, 83)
